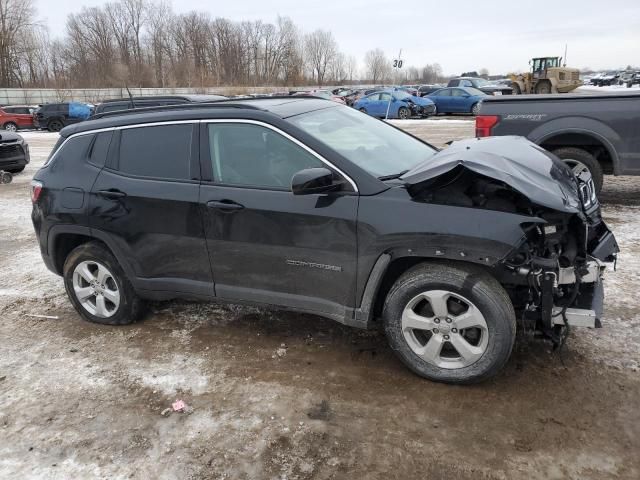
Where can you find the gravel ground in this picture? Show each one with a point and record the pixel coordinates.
(280, 395)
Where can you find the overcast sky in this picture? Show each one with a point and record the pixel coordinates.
(462, 35)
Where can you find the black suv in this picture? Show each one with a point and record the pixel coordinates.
(118, 104)
(305, 204)
(55, 116)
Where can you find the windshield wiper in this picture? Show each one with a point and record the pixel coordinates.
(392, 177)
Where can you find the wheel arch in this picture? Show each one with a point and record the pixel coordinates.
(585, 138)
(385, 272)
(62, 239)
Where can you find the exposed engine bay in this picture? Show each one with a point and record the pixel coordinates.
(554, 275)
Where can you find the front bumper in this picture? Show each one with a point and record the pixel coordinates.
(427, 110)
(588, 307)
(14, 156)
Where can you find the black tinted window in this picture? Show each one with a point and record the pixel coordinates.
(100, 148)
(75, 150)
(163, 151)
(244, 154)
(112, 107)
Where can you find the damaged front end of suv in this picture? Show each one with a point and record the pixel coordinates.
(553, 274)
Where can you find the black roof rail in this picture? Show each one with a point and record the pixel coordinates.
(223, 103)
(181, 106)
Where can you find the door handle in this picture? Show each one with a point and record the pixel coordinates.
(224, 205)
(111, 193)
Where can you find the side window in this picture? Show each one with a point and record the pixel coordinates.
(456, 92)
(465, 83)
(162, 151)
(114, 107)
(256, 156)
(74, 150)
(98, 152)
(385, 97)
(443, 93)
(454, 83)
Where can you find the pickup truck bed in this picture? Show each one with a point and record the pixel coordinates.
(600, 133)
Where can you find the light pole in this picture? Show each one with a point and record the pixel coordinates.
(397, 65)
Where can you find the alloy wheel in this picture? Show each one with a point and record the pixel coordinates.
(96, 289)
(445, 329)
(10, 127)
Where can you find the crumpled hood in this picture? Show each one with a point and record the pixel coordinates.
(519, 163)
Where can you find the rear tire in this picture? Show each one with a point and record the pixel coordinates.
(55, 126)
(98, 287)
(471, 344)
(579, 159)
(10, 127)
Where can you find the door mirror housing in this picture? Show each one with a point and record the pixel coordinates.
(313, 180)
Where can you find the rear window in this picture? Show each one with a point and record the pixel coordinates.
(162, 151)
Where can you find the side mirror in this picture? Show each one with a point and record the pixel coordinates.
(313, 180)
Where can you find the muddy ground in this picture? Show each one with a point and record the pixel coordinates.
(279, 395)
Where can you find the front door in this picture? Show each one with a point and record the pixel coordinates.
(265, 244)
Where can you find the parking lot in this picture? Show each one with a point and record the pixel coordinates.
(275, 394)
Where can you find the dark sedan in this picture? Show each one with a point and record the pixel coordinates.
(480, 84)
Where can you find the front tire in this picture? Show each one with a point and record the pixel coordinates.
(404, 113)
(98, 287)
(475, 110)
(450, 323)
(580, 160)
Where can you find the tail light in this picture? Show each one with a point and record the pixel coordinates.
(36, 190)
(484, 124)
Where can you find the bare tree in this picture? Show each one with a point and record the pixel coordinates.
(16, 20)
(352, 68)
(432, 73)
(377, 64)
(143, 43)
(320, 50)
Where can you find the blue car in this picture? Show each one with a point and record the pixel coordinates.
(457, 100)
(402, 105)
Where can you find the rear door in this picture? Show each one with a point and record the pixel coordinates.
(266, 244)
(145, 205)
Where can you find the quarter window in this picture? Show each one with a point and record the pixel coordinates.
(162, 151)
(74, 150)
(252, 155)
(100, 148)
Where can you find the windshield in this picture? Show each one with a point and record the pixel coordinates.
(400, 94)
(373, 145)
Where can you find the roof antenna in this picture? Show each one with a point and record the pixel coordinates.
(133, 103)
